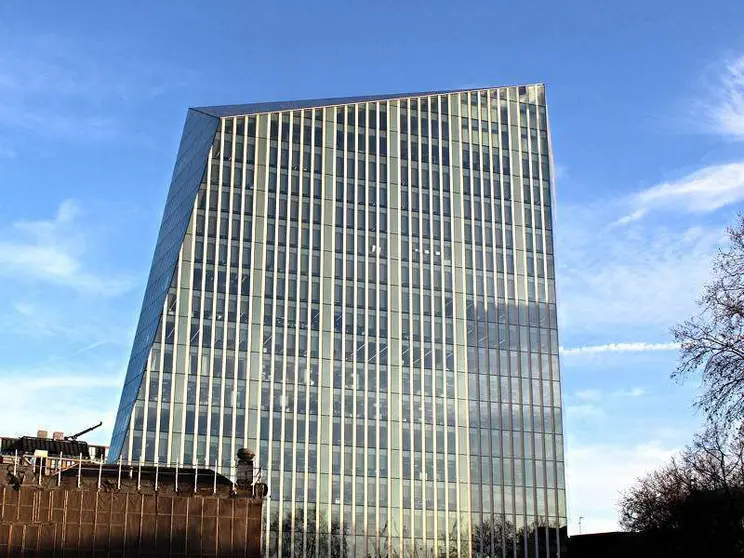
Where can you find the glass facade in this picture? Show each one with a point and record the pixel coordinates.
(191, 161)
(365, 295)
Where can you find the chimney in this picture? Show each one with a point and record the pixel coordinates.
(244, 472)
(42, 434)
(58, 436)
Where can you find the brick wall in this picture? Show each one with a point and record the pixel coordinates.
(70, 521)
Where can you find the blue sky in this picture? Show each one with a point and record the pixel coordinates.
(646, 103)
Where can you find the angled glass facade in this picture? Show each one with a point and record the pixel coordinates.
(191, 162)
(362, 290)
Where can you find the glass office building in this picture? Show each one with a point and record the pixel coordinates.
(362, 291)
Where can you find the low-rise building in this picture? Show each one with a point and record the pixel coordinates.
(54, 504)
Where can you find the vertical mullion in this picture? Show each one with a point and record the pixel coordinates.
(239, 293)
(215, 309)
(233, 349)
(258, 272)
(359, 278)
(458, 258)
(408, 514)
(372, 418)
(300, 170)
(334, 116)
(361, 183)
(250, 373)
(440, 476)
(200, 320)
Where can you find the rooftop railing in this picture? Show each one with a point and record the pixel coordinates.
(198, 477)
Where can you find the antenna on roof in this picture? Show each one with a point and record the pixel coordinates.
(74, 437)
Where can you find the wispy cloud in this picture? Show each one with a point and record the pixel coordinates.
(593, 404)
(635, 260)
(592, 396)
(584, 411)
(721, 109)
(66, 327)
(629, 267)
(703, 191)
(724, 110)
(55, 398)
(636, 280)
(597, 474)
(635, 392)
(561, 172)
(619, 348)
(52, 87)
(51, 250)
(588, 394)
(87, 348)
(78, 381)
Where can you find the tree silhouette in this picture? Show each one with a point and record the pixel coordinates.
(497, 538)
(711, 341)
(540, 538)
(694, 505)
(314, 539)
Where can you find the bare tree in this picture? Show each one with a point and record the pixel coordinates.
(713, 340)
(694, 505)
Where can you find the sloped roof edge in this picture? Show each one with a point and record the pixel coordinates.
(274, 106)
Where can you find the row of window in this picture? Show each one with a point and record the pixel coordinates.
(415, 460)
(435, 270)
(369, 434)
(427, 294)
(419, 496)
(508, 369)
(499, 411)
(289, 204)
(496, 416)
(503, 257)
(289, 208)
(482, 388)
(293, 183)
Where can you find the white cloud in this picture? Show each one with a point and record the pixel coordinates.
(619, 348)
(589, 398)
(53, 71)
(703, 191)
(597, 474)
(584, 411)
(588, 394)
(76, 382)
(51, 398)
(69, 326)
(51, 250)
(51, 87)
(637, 280)
(644, 273)
(724, 111)
(561, 171)
(634, 392)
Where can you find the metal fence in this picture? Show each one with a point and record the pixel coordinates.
(45, 468)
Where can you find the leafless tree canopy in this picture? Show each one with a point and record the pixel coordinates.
(712, 342)
(694, 505)
(696, 502)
